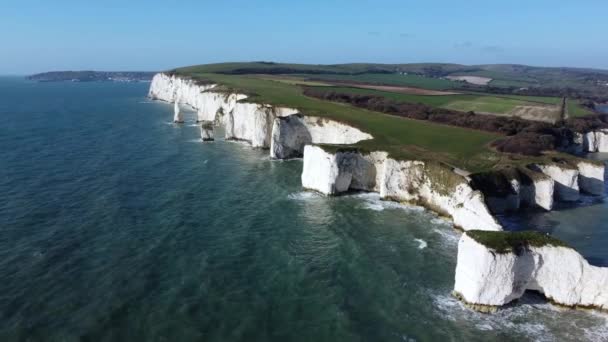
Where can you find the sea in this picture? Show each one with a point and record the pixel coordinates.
(118, 225)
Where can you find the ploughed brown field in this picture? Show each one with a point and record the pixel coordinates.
(395, 89)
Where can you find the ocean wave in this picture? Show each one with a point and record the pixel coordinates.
(421, 243)
(373, 201)
(531, 317)
(448, 235)
(441, 221)
(454, 310)
(304, 196)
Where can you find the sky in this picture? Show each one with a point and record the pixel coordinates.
(37, 36)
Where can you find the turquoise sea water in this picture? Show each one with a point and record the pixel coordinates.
(116, 225)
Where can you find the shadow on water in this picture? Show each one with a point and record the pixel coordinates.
(582, 224)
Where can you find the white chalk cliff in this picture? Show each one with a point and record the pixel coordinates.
(259, 124)
(487, 278)
(594, 141)
(431, 185)
(591, 177)
(290, 134)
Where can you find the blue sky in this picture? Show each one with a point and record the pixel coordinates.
(157, 35)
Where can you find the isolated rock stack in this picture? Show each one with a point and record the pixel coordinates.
(177, 116)
(207, 131)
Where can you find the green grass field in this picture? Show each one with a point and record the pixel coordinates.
(575, 109)
(461, 102)
(392, 80)
(402, 138)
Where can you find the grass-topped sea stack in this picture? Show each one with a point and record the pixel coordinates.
(496, 268)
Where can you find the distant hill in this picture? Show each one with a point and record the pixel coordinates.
(93, 76)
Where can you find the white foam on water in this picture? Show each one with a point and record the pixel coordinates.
(285, 160)
(304, 196)
(148, 101)
(600, 332)
(441, 221)
(206, 160)
(541, 321)
(372, 201)
(421, 243)
(238, 142)
(448, 235)
(452, 309)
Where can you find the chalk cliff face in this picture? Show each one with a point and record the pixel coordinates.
(591, 177)
(596, 141)
(485, 277)
(565, 178)
(252, 122)
(245, 121)
(536, 190)
(510, 189)
(290, 134)
(171, 88)
(428, 184)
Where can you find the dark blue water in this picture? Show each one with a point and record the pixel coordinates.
(116, 225)
(602, 108)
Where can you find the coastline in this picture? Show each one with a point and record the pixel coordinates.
(331, 169)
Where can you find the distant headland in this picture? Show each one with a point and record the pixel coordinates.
(93, 76)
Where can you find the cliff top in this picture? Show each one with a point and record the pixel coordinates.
(512, 242)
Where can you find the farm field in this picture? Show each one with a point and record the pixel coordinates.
(574, 109)
(392, 79)
(543, 109)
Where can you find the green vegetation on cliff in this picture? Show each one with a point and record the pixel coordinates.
(513, 242)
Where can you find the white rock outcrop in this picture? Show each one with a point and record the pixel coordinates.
(434, 186)
(537, 190)
(170, 88)
(438, 188)
(207, 131)
(485, 277)
(177, 113)
(596, 141)
(245, 121)
(510, 189)
(290, 134)
(211, 106)
(565, 178)
(591, 177)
